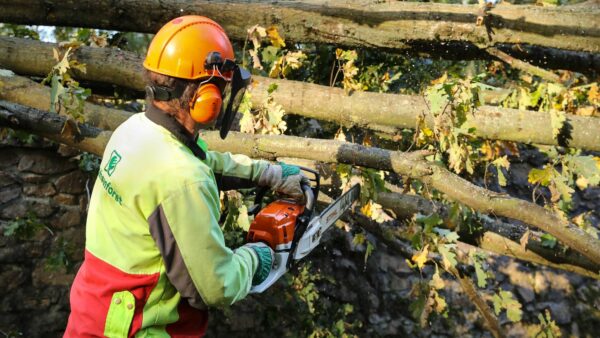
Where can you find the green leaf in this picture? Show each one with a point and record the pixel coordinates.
(585, 166)
(505, 300)
(562, 185)
(536, 95)
(416, 307)
(541, 176)
(450, 236)
(480, 273)
(548, 328)
(429, 221)
(370, 248)
(548, 241)
(448, 257)
(272, 88)
(437, 98)
(56, 90)
(11, 228)
(359, 239)
(557, 120)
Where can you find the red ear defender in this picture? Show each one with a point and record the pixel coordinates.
(206, 104)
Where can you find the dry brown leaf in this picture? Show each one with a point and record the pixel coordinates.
(525, 239)
(585, 111)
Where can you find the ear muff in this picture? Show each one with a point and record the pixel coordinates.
(206, 104)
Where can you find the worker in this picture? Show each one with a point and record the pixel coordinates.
(155, 257)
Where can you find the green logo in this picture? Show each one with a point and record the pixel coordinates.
(110, 167)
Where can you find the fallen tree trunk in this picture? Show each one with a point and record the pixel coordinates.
(52, 126)
(272, 147)
(29, 93)
(391, 25)
(383, 112)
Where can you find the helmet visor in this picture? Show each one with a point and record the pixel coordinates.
(232, 98)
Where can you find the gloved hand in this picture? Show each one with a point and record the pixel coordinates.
(266, 257)
(285, 179)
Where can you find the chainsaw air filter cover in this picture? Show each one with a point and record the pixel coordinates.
(275, 224)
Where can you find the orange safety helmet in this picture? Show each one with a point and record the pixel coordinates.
(181, 49)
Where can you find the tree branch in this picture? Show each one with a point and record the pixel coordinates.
(524, 66)
(411, 165)
(384, 112)
(52, 126)
(271, 147)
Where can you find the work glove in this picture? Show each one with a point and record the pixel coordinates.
(285, 179)
(266, 257)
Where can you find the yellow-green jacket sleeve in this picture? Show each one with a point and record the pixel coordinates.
(234, 171)
(191, 242)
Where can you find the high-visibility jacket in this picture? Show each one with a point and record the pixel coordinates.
(155, 257)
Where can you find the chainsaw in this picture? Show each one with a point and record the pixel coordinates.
(292, 229)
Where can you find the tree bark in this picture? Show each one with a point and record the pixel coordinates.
(382, 112)
(501, 245)
(391, 25)
(406, 206)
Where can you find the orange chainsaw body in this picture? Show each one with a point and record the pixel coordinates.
(275, 224)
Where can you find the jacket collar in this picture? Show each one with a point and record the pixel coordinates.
(175, 128)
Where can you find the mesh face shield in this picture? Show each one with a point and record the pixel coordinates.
(232, 98)
(234, 90)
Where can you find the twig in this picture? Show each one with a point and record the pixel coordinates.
(491, 321)
(524, 66)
